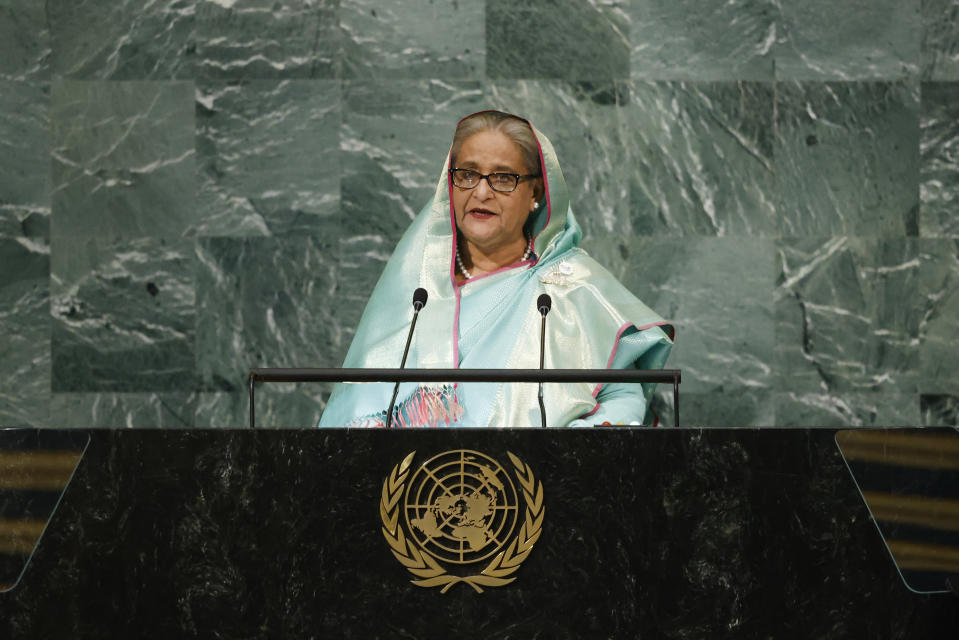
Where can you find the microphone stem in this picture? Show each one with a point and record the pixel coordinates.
(542, 358)
(396, 388)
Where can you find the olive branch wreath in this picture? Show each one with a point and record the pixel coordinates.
(423, 565)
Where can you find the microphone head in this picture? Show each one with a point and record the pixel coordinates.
(544, 303)
(419, 298)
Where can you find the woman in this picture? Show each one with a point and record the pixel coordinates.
(498, 233)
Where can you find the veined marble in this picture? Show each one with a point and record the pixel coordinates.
(437, 39)
(268, 157)
(940, 39)
(122, 39)
(123, 160)
(939, 150)
(846, 159)
(189, 188)
(569, 41)
(701, 158)
(243, 39)
(123, 315)
(703, 40)
(939, 319)
(845, 310)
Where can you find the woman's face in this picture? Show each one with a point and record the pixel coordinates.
(491, 220)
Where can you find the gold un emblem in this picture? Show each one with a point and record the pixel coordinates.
(460, 509)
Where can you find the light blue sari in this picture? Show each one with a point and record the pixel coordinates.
(491, 322)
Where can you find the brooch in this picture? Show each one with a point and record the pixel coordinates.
(558, 275)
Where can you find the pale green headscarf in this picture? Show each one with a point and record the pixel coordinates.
(590, 311)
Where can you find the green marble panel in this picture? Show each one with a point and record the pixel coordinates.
(826, 40)
(846, 159)
(123, 315)
(122, 39)
(701, 158)
(25, 144)
(718, 294)
(267, 302)
(939, 410)
(24, 316)
(884, 409)
(702, 40)
(268, 153)
(24, 40)
(940, 39)
(444, 39)
(939, 169)
(278, 406)
(568, 40)
(741, 408)
(939, 320)
(123, 410)
(585, 125)
(847, 315)
(395, 138)
(246, 39)
(24, 253)
(123, 159)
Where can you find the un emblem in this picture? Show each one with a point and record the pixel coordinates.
(461, 508)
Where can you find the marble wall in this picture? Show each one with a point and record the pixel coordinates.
(190, 188)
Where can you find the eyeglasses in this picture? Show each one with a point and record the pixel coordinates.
(502, 182)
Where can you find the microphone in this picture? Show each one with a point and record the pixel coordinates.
(544, 303)
(419, 298)
(419, 301)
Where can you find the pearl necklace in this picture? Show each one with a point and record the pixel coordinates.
(469, 276)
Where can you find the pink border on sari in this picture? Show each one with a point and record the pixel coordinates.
(612, 356)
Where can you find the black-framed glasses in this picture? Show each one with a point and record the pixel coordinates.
(498, 181)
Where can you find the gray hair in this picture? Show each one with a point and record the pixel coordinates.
(516, 129)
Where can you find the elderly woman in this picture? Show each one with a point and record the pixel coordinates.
(498, 233)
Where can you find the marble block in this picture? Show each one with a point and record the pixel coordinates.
(25, 144)
(122, 39)
(246, 39)
(394, 141)
(939, 319)
(847, 319)
(702, 40)
(123, 315)
(413, 39)
(278, 406)
(569, 39)
(584, 123)
(876, 409)
(24, 40)
(266, 302)
(268, 156)
(714, 409)
(123, 410)
(123, 159)
(827, 40)
(846, 159)
(939, 168)
(720, 347)
(701, 158)
(940, 40)
(939, 410)
(24, 316)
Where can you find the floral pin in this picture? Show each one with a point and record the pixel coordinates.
(558, 275)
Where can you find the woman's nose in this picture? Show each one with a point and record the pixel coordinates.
(483, 190)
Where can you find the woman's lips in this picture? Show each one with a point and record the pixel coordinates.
(482, 214)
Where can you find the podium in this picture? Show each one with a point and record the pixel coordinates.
(645, 533)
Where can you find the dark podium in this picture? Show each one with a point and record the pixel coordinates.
(645, 533)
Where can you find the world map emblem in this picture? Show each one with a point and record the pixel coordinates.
(461, 516)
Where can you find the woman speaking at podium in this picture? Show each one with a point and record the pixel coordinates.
(497, 234)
